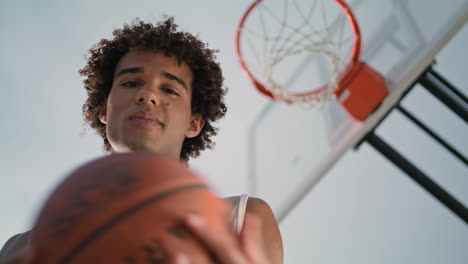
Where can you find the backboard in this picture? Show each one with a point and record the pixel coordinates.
(292, 148)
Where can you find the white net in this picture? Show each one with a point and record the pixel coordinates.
(297, 48)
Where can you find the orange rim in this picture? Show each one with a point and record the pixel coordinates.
(344, 75)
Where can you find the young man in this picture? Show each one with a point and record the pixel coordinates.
(155, 89)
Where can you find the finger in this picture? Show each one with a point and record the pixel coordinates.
(223, 246)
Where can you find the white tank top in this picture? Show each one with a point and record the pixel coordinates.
(239, 205)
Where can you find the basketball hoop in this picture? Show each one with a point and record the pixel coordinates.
(297, 40)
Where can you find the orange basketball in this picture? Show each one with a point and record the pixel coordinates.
(126, 208)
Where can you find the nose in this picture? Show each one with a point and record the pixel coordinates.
(147, 96)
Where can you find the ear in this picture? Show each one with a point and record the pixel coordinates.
(103, 114)
(196, 124)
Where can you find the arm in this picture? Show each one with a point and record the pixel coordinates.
(271, 236)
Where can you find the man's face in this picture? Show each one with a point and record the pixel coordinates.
(149, 105)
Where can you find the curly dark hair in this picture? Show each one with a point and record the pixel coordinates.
(208, 92)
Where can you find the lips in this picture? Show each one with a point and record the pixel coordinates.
(146, 119)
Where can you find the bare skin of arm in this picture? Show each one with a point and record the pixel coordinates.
(271, 236)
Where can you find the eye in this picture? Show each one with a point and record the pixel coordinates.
(169, 90)
(131, 84)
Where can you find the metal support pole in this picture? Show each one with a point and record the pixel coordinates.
(431, 133)
(424, 181)
(438, 88)
(447, 84)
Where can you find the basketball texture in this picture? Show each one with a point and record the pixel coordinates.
(126, 208)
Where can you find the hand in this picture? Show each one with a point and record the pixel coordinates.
(248, 249)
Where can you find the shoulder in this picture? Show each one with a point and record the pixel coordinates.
(262, 209)
(259, 207)
(255, 205)
(15, 244)
(271, 233)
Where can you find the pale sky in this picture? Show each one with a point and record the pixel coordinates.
(363, 211)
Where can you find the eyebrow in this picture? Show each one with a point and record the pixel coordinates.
(172, 77)
(130, 70)
(167, 75)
